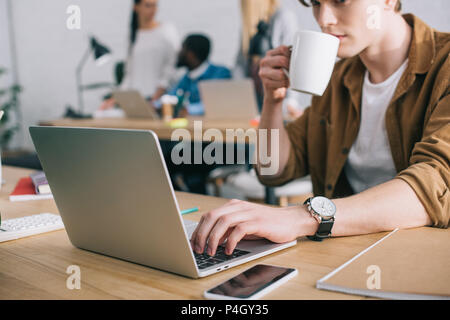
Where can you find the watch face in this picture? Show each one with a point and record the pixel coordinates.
(323, 206)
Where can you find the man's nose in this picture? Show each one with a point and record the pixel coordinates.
(326, 16)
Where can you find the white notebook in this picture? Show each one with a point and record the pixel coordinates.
(405, 264)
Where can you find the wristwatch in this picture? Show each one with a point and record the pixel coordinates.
(324, 210)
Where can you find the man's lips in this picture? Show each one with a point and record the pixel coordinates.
(339, 36)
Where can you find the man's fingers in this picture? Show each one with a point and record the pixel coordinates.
(275, 62)
(225, 236)
(222, 226)
(273, 74)
(208, 221)
(274, 85)
(238, 233)
(281, 50)
(194, 234)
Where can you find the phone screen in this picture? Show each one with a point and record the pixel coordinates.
(251, 281)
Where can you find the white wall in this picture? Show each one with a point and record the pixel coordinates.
(47, 52)
(5, 50)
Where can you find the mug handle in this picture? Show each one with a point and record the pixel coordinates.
(286, 72)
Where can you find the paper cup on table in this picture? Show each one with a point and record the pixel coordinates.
(168, 103)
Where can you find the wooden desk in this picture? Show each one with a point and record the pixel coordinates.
(35, 267)
(163, 130)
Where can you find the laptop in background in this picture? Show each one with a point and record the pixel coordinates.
(115, 197)
(134, 105)
(229, 99)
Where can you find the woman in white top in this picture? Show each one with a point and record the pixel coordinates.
(152, 53)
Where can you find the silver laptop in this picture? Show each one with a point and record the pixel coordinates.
(229, 99)
(115, 197)
(134, 105)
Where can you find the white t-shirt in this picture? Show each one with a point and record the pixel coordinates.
(370, 161)
(151, 63)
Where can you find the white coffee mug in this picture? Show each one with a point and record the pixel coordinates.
(312, 61)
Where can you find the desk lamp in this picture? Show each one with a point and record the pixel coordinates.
(101, 56)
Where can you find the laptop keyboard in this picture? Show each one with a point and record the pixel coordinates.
(204, 260)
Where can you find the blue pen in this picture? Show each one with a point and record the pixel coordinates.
(189, 211)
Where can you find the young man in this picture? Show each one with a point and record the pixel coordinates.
(194, 56)
(377, 142)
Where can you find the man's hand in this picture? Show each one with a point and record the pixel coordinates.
(271, 72)
(239, 220)
(107, 104)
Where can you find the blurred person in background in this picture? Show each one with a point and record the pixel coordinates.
(267, 25)
(194, 56)
(152, 53)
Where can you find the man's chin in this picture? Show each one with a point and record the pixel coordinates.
(344, 56)
(345, 53)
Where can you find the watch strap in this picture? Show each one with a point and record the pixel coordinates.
(324, 230)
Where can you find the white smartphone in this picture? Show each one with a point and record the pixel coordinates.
(251, 284)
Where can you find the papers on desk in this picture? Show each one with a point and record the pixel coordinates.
(405, 264)
(25, 190)
(110, 113)
(40, 182)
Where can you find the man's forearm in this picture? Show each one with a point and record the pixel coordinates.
(385, 207)
(272, 119)
(271, 115)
